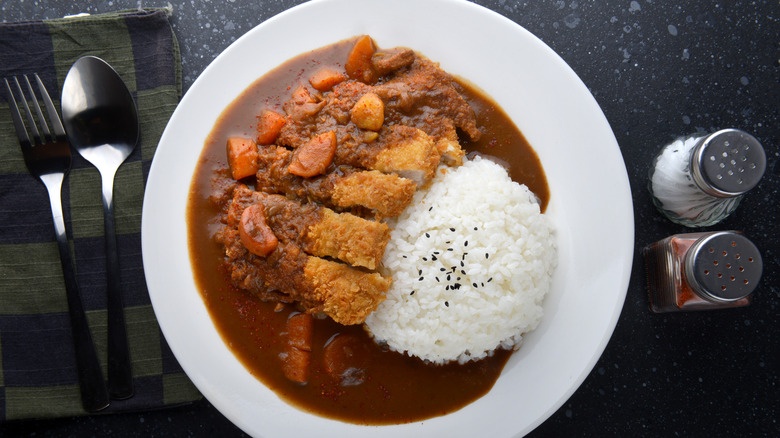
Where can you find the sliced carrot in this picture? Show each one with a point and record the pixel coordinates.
(295, 364)
(269, 125)
(314, 157)
(358, 65)
(344, 357)
(325, 79)
(255, 233)
(300, 331)
(242, 157)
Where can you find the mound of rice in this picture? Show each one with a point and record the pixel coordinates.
(471, 261)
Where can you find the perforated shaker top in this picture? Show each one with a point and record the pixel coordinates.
(728, 163)
(724, 266)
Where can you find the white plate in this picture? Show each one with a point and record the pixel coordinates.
(590, 205)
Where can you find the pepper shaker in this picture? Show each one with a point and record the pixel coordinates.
(699, 180)
(699, 271)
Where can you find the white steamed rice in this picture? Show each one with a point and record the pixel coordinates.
(471, 261)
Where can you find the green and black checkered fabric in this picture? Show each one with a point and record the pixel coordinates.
(37, 362)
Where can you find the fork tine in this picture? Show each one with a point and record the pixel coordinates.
(24, 139)
(54, 118)
(33, 127)
(41, 119)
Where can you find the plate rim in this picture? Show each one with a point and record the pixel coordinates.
(199, 378)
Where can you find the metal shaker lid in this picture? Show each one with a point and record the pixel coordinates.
(728, 163)
(723, 266)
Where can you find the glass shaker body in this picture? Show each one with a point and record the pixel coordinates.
(699, 271)
(698, 181)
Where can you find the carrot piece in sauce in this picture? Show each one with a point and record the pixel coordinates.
(358, 65)
(344, 357)
(269, 124)
(256, 236)
(314, 157)
(295, 364)
(242, 157)
(325, 79)
(299, 331)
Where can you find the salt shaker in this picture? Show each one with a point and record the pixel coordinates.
(699, 180)
(699, 271)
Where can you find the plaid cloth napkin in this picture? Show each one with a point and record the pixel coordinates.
(37, 364)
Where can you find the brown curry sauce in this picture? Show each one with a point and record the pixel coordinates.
(394, 388)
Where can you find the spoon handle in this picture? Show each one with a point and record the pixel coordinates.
(120, 373)
(94, 396)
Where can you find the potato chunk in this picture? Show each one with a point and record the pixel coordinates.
(368, 112)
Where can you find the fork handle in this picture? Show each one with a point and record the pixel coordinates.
(94, 394)
(120, 373)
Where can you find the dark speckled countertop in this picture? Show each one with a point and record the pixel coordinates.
(658, 69)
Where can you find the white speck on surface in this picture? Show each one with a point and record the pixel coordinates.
(634, 7)
(686, 120)
(569, 413)
(613, 19)
(744, 80)
(672, 29)
(626, 55)
(685, 55)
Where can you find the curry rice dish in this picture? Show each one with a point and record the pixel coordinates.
(300, 220)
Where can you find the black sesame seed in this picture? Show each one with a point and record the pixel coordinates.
(447, 288)
(419, 272)
(436, 252)
(448, 277)
(427, 235)
(437, 279)
(411, 293)
(490, 279)
(452, 229)
(447, 303)
(458, 279)
(448, 242)
(474, 284)
(430, 208)
(450, 249)
(466, 243)
(404, 256)
(425, 259)
(475, 228)
(463, 272)
(483, 284)
(420, 279)
(461, 264)
(486, 255)
(433, 257)
(442, 269)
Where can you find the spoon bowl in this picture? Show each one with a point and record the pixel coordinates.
(101, 121)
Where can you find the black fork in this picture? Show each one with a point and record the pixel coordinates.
(49, 159)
